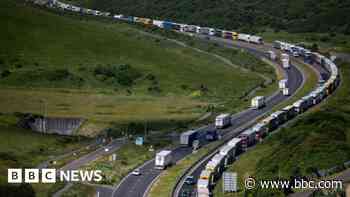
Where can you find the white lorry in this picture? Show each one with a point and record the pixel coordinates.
(285, 91)
(258, 102)
(272, 55)
(222, 121)
(283, 84)
(163, 159)
(285, 63)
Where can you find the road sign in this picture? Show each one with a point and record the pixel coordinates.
(229, 183)
(139, 141)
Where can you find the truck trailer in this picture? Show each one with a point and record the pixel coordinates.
(222, 121)
(163, 159)
(187, 138)
(258, 102)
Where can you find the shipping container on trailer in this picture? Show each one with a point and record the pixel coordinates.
(248, 138)
(222, 121)
(187, 138)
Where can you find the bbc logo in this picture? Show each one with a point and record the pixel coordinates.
(31, 175)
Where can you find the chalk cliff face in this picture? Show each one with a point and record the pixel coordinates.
(61, 126)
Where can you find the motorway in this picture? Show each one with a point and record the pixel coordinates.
(136, 186)
(196, 170)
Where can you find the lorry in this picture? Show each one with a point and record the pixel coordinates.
(187, 138)
(244, 37)
(248, 138)
(285, 92)
(272, 55)
(258, 102)
(285, 63)
(163, 159)
(222, 121)
(256, 40)
(283, 84)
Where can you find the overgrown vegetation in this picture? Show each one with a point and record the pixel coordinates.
(247, 16)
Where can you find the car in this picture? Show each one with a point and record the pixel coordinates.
(189, 180)
(106, 149)
(136, 172)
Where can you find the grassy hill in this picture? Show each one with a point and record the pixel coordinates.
(108, 71)
(318, 140)
(296, 16)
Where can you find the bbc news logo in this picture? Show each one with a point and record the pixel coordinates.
(51, 175)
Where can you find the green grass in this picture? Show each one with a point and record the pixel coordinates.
(80, 190)
(318, 140)
(49, 55)
(128, 157)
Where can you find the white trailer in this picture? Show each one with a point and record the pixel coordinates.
(258, 102)
(285, 92)
(256, 40)
(235, 142)
(285, 63)
(158, 23)
(163, 159)
(244, 37)
(272, 55)
(284, 56)
(202, 184)
(222, 120)
(203, 192)
(283, 84)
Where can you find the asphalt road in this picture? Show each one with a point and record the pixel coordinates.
(195, 172)
(76, 164)
(136, 186)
